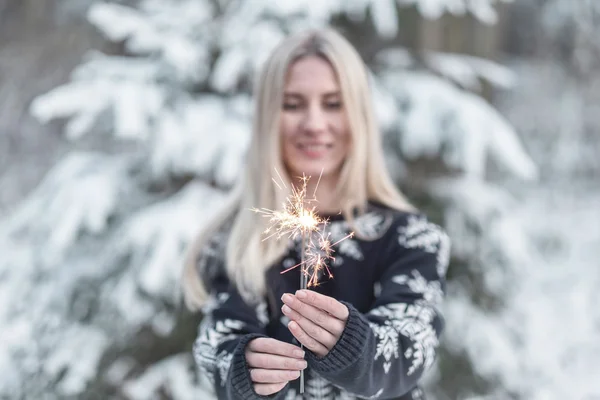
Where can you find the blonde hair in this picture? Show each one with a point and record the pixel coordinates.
(363, 177)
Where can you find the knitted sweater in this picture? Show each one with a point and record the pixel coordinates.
(393, 284)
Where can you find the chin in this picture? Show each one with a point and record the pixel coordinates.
(313, 170)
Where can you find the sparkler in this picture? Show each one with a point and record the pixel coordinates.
(299, 218)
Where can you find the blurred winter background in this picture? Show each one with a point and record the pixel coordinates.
(123, 123)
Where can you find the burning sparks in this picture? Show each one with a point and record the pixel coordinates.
(299, 218)
(296, 218)
(317, 254)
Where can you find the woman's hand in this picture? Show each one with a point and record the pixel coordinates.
(273, 364)
(317, 321)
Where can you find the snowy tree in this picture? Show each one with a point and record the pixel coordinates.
(547, 322)
(91, 258)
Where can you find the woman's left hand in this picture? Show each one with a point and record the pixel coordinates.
(317, 321)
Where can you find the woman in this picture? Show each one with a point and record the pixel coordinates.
(372, 329)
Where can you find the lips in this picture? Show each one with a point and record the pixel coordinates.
(314, 146)
(314, 150)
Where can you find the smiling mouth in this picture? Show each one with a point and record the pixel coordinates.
(314, 151)
(314, 146)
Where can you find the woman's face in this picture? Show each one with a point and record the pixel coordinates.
(314, 126)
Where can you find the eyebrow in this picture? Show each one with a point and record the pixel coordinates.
(298, 95)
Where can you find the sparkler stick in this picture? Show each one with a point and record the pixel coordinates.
(298, 218)
(303, 275)
(303, 283)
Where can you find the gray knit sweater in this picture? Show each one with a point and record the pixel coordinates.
(392, 282)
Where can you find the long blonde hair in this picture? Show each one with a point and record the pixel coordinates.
(363, 177)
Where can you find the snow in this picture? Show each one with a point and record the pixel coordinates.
(483, 10)
(466, 70)
(86, 345)
(169, 373)
(43, 301)
(385, 18)
(203, 138)
(154, 237)
(463, 128)
(104, 83)
(78, 196)
(542, 344)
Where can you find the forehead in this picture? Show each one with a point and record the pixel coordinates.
(311, 73)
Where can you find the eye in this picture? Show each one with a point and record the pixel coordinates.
(291, 106)
(333, 105)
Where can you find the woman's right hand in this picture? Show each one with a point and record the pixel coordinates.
(273, 364)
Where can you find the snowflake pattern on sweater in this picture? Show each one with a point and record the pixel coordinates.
(422, 234)
(392, 281)
(212, 334)
(412, 321)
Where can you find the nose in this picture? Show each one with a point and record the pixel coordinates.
(315, 120)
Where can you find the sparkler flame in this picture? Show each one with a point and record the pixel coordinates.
(299, 218)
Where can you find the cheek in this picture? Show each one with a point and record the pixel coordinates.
(287, 131)
(344, 136)
(344, 148)
(287, 127)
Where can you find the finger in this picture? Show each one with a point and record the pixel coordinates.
(260, 375)
(310, 343)
(265, 389)
(313, 330)
(326, 303)
(274, 346)
(270, 361)
(316, 315)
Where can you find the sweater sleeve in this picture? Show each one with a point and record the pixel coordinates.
(229, 324)
(384, 352)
